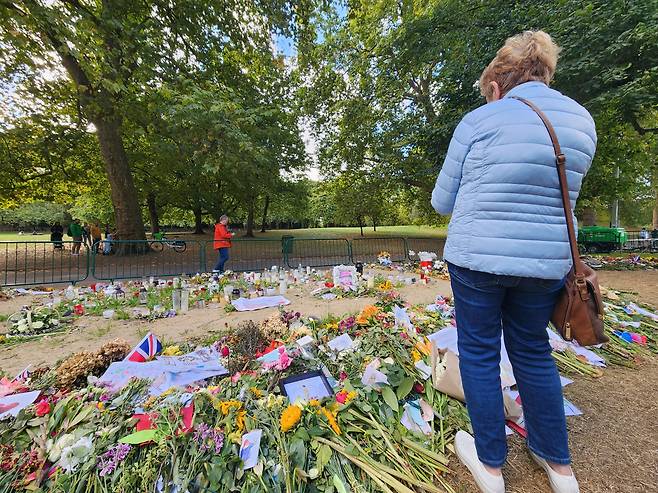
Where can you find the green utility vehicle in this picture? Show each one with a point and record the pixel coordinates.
(595, 239)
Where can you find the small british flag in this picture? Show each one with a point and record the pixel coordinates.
(23, 376)
(145, 350)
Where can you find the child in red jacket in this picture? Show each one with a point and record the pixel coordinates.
(222, 242)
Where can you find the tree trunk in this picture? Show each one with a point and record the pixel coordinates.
(198, 220)
(127, 212)
(654, 216)
(589, 216)
(153, 213)
(250, 220)
(361, 225)
(267, 205)
(374, 224)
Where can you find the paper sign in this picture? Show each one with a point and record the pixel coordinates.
(633, 308)
(303, 341)
(250, 448)
(445, 338)
(372, 376)
(341, 343)
(424, 369)
(13, 404)
(167, 371)
(570, 409)
(592, 358)
(247, 305)
(402, 318)
(416, 417)
(270, 357)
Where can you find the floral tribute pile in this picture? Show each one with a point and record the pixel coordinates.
(630, 262)
(366, 416)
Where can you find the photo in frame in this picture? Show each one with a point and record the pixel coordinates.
(306, 386)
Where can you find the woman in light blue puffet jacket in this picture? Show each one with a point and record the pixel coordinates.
(508, 252)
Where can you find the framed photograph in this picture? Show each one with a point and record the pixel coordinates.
(307, 386)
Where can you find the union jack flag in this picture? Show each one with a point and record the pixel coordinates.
(145, 350)
(24, 375)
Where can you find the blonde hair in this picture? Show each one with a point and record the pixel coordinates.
(531, 55)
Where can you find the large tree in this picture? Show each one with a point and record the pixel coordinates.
(387, 82)
(114, 51)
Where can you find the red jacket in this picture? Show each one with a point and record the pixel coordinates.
(222, 237)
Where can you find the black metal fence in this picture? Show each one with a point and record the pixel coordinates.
(25, 263)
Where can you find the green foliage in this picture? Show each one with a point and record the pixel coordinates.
(93, 207)
(34, 214)
(388, 82)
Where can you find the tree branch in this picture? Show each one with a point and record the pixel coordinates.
(76, 4)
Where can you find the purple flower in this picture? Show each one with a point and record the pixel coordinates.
(346, 324)
(109, 461)
(208, 437)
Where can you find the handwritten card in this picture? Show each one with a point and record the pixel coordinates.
(250, 448)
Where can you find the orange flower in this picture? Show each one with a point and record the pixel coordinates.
(366, 314)
(290, 417)
(424, 347)
(331, 418)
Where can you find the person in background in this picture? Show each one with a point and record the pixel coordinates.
(508, 253)
(107, 244)
(654, 233)
(222, 242)
(644, 234)
(96, 236)
(86, 235)
(76, 231)
(56, 235)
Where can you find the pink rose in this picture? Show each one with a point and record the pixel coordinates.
(341, 397)
(225, 351)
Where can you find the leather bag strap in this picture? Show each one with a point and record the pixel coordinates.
(560, 160)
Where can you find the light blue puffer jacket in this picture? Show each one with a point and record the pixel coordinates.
(500, 183)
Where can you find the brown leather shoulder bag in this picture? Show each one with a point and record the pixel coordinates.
(579, 311)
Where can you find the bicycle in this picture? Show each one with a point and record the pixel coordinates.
(160, 242)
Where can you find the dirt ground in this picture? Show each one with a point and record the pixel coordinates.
(614, 444)
(89, 333)
(644, 283)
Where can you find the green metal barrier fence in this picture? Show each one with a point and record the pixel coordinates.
(318, 252)
(367, 249)
(134, 259)
(247, 254)
(416, 245)
(30, 263)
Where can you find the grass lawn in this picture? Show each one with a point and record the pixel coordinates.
(14, 236)
(382, 231)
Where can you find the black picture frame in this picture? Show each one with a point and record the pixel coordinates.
(316, 376)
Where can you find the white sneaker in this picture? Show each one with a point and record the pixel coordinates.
(465, 448)
(559, 482)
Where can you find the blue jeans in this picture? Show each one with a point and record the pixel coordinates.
(223, 257)
(485, 305)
